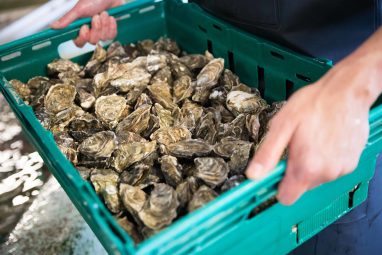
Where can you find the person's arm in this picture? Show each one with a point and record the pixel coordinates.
(103, 26)
(324, 125)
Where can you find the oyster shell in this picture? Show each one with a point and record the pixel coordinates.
(164, 116)
(243, 102)
(95, 62)
(186, 189)
(133, 198)
(232, 182)
(170, 135)
(189, 148)
(136, 122)
(171, 169)
(129, 137)
(86, 99)
(133, 77)
(110, 109)
(84, 172)
(253, 126)
(229, 80)
(67, 146)
(160, 93)
(164, 75)
(183, 88)
(206, 128)
(84, 126)
(62, 66)
(22, 89)
(161, 207)
(207, 79)
(105, 183)
(145, 46)
(129, 153)
(201, 197)
(156, 61)
(143, 99)
(115, 50)
(59, 97)
(194, 61)
(99, 145)
(212, 170)
(166, 44)
(135, 174)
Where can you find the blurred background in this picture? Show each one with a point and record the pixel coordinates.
(36, 216)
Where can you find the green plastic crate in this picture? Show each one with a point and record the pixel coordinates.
(226, 224)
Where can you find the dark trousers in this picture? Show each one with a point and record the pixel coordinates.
(357, 233)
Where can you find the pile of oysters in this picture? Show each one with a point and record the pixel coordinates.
(157, 132)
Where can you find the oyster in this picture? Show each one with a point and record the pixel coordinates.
(170, 135)
(164, 75)
(194, 61)
(133, 77)
(67, 146)
(232, 182)
(207, 79)
(59, 97)
(228, 146)
(86, 99)
(171, 169)
(95, 62)
(160, 93)
(135, 174)
(62, 66)
(133, 198)
(166, 44)
(145, 46)
(164, 116)
(189, 148)
(129, 137)
(161, 207)
(22, 89)
(115, 50)
(142, 100)
(183, 88)
(84, 172)
(201, 197)
(178, 69)
(253, 126)
(153, 125)
(229, 80)
(206, 128)
(84, 126)
(243, 102)
(212, 170)
(129, 153)
(110, 109)
(155, 61)
(186, 189)
(105, 183)
(136, 122)
(99, 145)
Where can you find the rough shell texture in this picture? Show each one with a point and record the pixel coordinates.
(212, 170)
(171, 169)
(243, 102)
(109, 109)
(201, 197)
(170, 135)
(99, 145)
(161, 207)
(189, 148)
(129, 153)
(59, 97)
(135, 122)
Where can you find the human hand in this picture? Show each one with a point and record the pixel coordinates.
(103, 26)
(324, 125)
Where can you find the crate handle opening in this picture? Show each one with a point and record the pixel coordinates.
(202, 29)
(231, 61)
(351, 195)
(261, 80)
(277, 55)
(11, 56)
(210, 47)
(303, 77)
(147, 9)
(217, 27)
(289, 87)
(41, 45)
(68, 49)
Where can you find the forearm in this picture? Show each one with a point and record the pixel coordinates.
(365, 66)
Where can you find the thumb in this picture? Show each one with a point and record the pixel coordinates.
(68, 18)
(271, 150)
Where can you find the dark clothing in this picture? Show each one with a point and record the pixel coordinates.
(328, 29)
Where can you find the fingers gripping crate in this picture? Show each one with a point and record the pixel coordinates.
(228, 224)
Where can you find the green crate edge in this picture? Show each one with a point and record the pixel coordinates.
(122, 243)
